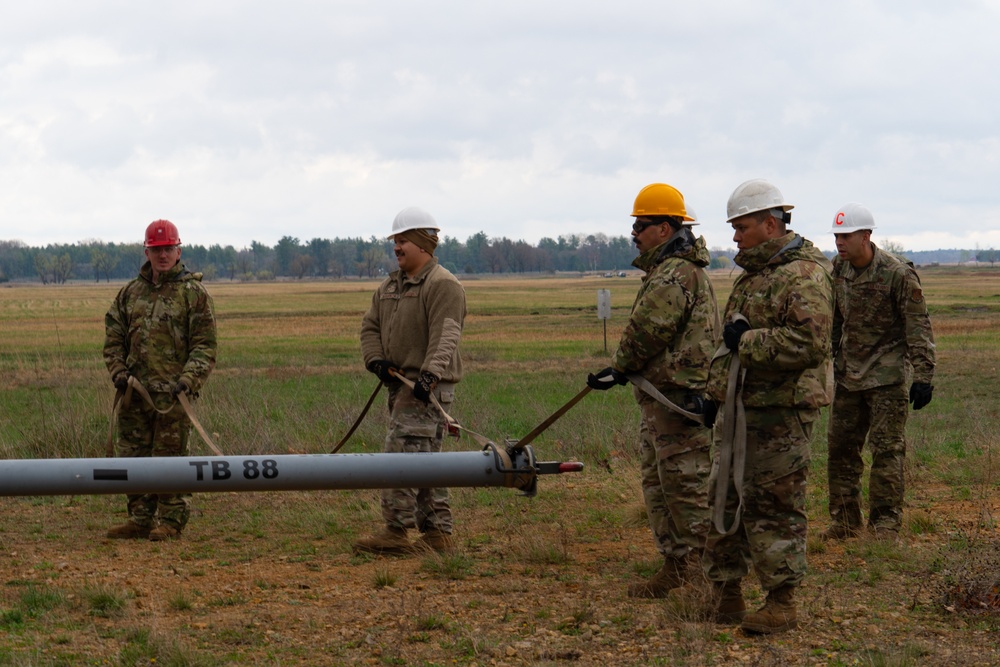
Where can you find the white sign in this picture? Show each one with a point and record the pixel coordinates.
(604, 304)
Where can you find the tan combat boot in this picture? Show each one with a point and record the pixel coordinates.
(129, 531)
(732, 608)
(840, 531)
(164, 532)
(435, 540)
(389, 540)
(668, 577)
(777, 615)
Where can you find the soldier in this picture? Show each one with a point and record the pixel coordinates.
(413, 328)
(778, 321)
(881, 338)
(669, 341)
(160, 330)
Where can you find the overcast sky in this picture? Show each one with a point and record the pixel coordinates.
(249, 120)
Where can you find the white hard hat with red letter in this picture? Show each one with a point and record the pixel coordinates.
(851, 218)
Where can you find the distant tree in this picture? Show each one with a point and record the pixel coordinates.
(301, 265)
(477, 246)
(372, 259)
(43, 267)
(262, 255)
(893, 247)
(243, 264)
(964, 256)
(62, 268)
(987, 256)
(286, 250)
(719, 262)
(103, 262)
(321, 251)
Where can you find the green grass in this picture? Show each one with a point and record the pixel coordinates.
(290, 379)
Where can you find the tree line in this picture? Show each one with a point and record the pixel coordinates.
(324, 258)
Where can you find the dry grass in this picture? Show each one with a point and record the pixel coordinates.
(270, 579)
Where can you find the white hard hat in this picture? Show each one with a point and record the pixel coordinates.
(691, 214)
(752, 196)
(412, 217)
(851, 218)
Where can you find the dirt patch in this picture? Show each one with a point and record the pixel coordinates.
(269, 579)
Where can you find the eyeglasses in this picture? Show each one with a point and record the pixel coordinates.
(639, 225)
(162, 249)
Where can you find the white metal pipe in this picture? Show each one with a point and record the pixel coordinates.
(299, 472)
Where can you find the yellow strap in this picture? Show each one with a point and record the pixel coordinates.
(124, 399)
(482, 440)
(731, 462)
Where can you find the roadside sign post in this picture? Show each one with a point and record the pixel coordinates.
(604, 312)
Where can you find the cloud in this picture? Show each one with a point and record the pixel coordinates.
(253, 120)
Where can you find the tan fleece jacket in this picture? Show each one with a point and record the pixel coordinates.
(416, 323)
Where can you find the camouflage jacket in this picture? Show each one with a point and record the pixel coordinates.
(786, 293)
(416, 323)
(162, 332)
(881, 330)
(674, 326)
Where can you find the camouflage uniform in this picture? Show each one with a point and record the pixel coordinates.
(786, 293)
(159, 333)
(882, 340)
(669, 340)
(416, 323)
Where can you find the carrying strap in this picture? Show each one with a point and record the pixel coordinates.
(731, 462)
(450, 421)
(647, 387)
(357, 422)
(551, 419)
(124, 399)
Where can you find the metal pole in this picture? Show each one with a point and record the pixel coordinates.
(490, 467)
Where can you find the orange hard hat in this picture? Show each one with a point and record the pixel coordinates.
(660, 199)
(160, 233)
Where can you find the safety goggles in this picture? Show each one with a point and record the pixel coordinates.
(639, 225)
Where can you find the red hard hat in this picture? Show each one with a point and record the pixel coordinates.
(162, 232)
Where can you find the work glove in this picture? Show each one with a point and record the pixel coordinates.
(920, 394)
(732, 333)
(424, 385)
(181, 388)
(606, 379)
(121, 381)
(706, 407)
(381, 368)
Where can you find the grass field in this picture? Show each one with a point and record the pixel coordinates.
(269, 579)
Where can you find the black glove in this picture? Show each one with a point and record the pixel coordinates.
(732, 333)
(181, 388)
(424, 385)
(121, 381)
(920, 394)
(706, 407)
(606, 379)
(381, 368)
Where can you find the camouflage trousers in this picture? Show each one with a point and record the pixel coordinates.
(772, 532)
(675, 463)
(416, 427)
(878, 415)
(144, 432)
